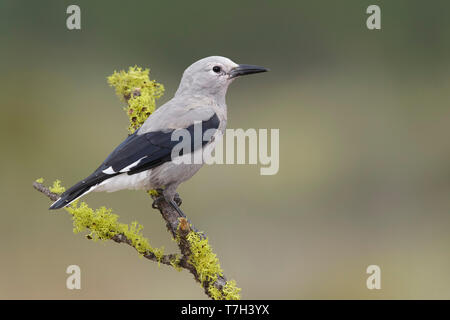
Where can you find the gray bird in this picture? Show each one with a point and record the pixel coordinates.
(144, 159)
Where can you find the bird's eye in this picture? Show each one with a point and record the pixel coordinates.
(217, 69)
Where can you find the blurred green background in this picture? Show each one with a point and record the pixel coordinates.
(364, 123)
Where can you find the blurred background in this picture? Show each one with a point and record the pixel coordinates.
(364, 123)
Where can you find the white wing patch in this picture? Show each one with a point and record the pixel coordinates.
(134, 164)
(109, 171)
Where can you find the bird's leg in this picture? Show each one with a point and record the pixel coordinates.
(177, 208)
(175, 201)
(171, 197)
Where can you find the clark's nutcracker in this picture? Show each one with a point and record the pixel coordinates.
(143, 160)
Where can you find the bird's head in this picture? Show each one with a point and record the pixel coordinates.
(212, 75)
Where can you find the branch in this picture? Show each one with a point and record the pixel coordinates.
(196, 254)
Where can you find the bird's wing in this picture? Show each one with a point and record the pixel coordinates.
(143, 151)
(178, 113)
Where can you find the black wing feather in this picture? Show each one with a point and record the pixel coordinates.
(155, 146)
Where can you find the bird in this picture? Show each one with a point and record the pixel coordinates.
(145, 159)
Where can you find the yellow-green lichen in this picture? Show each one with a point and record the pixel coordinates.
(56, 188)
(153, 193)
(215, 293)
(208, 268)
(40, 180)
(135, 87)
(102, 224)
(229, 292)
(202, 258)
(175, 263)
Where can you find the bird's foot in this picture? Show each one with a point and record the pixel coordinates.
(157, 201)
(158, 198)
(161, 197)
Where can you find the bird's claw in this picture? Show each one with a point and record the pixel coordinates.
(158, 198)
(177, 199)
(155, 204)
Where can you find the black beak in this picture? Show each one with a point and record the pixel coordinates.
(244, 69)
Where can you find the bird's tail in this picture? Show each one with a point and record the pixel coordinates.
(78, 190)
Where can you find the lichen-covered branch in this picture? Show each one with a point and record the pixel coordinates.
(196, 255)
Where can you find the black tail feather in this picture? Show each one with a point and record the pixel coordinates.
(69, 196)
(79, 189)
